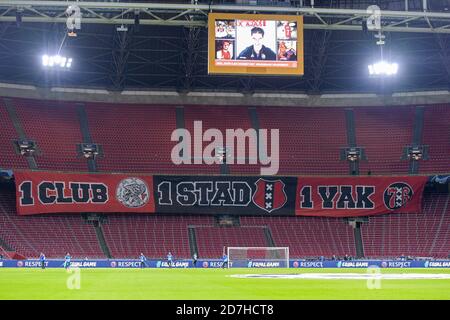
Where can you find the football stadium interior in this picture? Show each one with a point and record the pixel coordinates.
(134, 140)
(139, 71)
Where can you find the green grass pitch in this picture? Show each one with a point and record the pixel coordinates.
(208, 284)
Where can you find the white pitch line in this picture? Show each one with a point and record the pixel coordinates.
(346, 276)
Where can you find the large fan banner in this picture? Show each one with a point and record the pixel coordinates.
(361, 196)
(49, 192)
(236, 195)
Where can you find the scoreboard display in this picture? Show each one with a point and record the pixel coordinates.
(255, 44)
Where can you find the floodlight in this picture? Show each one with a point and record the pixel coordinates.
(383, 68)
(122, 28)
(56, 61)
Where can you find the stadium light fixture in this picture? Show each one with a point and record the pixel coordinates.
(383, 68)
(56, 61)
(122, 28)
(19, 13)
(136, 20)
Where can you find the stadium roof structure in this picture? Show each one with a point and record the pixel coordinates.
(168, 49)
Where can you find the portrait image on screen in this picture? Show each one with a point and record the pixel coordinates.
(287, 50)
(256, 40)
(225, 29)
(286, 30)
(224, 49)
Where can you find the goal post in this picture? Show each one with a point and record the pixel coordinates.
(261, 257)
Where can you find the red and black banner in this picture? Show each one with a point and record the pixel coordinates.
(48, 192)
(359, 196)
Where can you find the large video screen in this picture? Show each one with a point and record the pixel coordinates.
(255, 44)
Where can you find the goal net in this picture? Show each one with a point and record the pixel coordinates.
(258, 257)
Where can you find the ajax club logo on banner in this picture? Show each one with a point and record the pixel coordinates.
(132, 193)
(269, 195)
